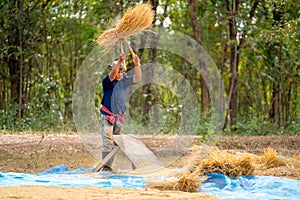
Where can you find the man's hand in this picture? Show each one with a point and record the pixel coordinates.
(136, 60)
(122, 57)
(137, 69)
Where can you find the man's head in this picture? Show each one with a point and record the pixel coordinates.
(121, 70)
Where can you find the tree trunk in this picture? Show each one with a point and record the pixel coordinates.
(148, 89)
(235, 49)
(14, 71)
(276, 100)
(14, 64)
(232, 95)
(20, 15)
(205, 98)
(287, 106)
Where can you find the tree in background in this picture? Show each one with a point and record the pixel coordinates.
(255, 44)
(41, 48)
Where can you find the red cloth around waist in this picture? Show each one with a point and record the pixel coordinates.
(112, 117)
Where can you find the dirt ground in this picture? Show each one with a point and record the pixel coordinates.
(33, 153)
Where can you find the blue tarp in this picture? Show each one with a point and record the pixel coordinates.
(61, 176)
(251, 187)
(219, 185)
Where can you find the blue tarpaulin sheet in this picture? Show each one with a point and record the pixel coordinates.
(251, 187)
(218, 185)
(61, 176)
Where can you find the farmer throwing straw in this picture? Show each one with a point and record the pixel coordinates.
(114, 102)
(135, 20)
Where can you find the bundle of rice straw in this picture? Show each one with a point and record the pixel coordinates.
(135, 20)
(269, 159)
(226, 163)
(187, 182)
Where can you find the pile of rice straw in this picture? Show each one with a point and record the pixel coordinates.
(217, 161)
(187, 182)
(269, 159)
(135, 20)
(226, 163)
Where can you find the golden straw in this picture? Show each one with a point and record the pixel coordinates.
(135, 20)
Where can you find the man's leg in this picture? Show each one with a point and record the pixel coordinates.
(117, 130)
(107, 138)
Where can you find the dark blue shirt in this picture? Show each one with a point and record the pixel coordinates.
(114, 94)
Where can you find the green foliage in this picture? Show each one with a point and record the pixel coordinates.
(254, 124)
(8, 118)
(42, 114)
(167, 115)
(293, 127)
(52, 38)
(262, 126)
(172, 120)
(37, 120)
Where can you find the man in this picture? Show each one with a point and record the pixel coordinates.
(114, 102)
